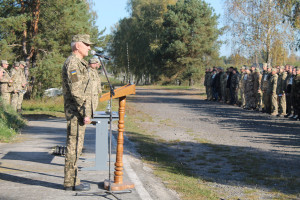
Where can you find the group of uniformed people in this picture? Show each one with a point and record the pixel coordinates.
(274, 90)
(81, 90)
(13, 84)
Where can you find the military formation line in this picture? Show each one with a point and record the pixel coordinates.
(13, 84)
(273, 90)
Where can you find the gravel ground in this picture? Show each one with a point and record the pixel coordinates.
(242, 154)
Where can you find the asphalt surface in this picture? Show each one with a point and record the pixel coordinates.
(29, 170)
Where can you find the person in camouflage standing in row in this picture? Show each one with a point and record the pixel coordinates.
(234, 86)
(288, 90)
(19, 85)
(264, 87)
(296, 94)
(280, 91)
(207, 82)
(223, 81)
(78, 108)
(241, 87)
(6, 83)
(257, 89)
(272, 91)
(249, 91)
(94, 64)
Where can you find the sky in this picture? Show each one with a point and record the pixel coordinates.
(110, 12)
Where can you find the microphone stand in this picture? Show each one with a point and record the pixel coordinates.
(109, 192)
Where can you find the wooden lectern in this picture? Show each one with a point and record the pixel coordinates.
(118, 183)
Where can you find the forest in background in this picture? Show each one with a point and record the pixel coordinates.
(161, 42)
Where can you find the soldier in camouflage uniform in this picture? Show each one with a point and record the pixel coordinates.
(78, 108)
(264, 87)
(280, 91)
(288, 90)
(272, 91)
(257, 89)
(223, 81)
(6, 83)
(206, 82)
(94, 64)
(234, 86)
(249, 91)
(241, 87)
(296, 94)
(19, 85)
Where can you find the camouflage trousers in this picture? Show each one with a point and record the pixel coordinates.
(258, 100)
(242, 94)
(250, 100)
(274, 104)
(75, 139)
(209, 92)
(5, 98)
(282, 104)
(16, 100)
(266, 102)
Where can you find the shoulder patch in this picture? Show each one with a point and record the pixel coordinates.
(74, 77)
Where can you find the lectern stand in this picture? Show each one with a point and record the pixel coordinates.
(118, 183)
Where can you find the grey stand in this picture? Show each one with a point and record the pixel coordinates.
(101, 119)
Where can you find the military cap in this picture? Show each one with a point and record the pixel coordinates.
(257, 69)
(274, 69)
(282, 67)
(4, 62)
(265, 64)
(23, 63)
(94, 60)
(16, 64)
(85, 38)
(243, 67)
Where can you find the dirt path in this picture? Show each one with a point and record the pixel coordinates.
(236, 150)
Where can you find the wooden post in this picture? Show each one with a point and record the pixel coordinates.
(118, 178)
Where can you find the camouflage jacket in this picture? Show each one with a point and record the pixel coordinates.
(257, 81)
(206, 78)
(272, 84)
(18, 77)
(95, 87)
(296, 86)
(76, 88)
(234, 84)
(281, 84)
(6, 86)
(265, 81)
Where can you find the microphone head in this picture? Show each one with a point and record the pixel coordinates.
(93, 52)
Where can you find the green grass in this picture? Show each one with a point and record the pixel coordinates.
(174, 174)
(10, 123)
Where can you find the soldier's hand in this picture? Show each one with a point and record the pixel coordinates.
(87, 120)
(11, 81)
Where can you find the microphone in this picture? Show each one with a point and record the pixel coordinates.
(100, 55)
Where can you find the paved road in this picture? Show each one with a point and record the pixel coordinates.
(272, 144)
(28, 170)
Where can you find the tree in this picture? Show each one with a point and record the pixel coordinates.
(135, 40)
(255, 25)
(40, 33)
(189, 38)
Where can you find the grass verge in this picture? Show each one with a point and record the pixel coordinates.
(174, 174)
(10, 123)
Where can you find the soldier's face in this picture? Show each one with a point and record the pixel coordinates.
(83, 49)
(94, 65)
(4, 66)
